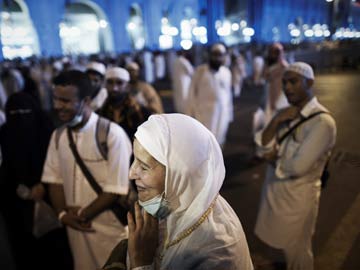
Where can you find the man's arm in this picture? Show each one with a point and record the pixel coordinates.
(270, 131)
(153, 99)
(57, 197)
(317, 142)
(284, 115)
(52, 176)
(67, 216)
(99, 205)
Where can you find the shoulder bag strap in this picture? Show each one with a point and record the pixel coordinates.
(291, 130)
(90, 178)
(102, 131)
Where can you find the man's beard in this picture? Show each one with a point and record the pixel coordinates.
(118, 98)
(271, 61)
(214, 65)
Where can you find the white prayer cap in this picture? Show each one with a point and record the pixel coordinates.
(218, 47)
(302, 69)
(117, 72)
(96, 66)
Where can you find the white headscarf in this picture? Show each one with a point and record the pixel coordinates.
(195, 172)
(194, 164)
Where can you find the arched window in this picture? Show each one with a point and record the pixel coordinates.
(135, 28)
(85, 29)
(18, 35)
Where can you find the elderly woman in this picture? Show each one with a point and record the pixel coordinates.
(184, 222)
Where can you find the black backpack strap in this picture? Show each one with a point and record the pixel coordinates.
(101, 133)
(119, 210)
(291, 130)
(95, 186)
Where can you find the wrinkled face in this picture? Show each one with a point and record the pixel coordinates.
(295, 87)
(96, 80)
(66, 102)
(147, 172)
(116, 85)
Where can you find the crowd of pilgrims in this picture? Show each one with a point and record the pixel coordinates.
(27, 121)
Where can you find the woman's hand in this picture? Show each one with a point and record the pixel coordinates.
(143, 237)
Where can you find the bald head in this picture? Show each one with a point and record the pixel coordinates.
(277, 46)
(218, 48)
(275, 53)
(134, 70)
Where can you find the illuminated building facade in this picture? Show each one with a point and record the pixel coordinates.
(57, 27)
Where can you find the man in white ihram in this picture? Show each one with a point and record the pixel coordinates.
(96, 72)
(210, 97)
(181, 79)
(291, 192)
(92, 228)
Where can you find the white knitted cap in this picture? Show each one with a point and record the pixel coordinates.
(302, 69)
(96, 66)
(117, 72)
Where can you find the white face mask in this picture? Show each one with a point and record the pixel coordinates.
(78, 118)
(158, 207)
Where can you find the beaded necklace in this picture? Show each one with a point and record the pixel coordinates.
(188, 231)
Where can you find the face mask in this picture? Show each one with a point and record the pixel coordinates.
(158, 207)
(78, 118)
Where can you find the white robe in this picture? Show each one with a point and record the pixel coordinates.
(181, 79)
(148, 66)
(291, 192)
(160, 66)
(238, 71)
(90, 250)
(210, 100)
